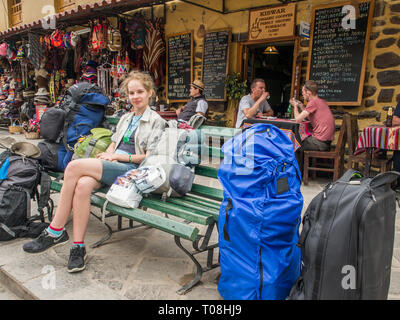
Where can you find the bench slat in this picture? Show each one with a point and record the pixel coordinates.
(219, 131)
(182, 203)
(215, 152)
(206, 171)
(173, 209)
(173, 227)
(202, 201)
(208, 192)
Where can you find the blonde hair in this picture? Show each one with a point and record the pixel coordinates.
(145, 79)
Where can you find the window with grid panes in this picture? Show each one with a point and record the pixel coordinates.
(15, 10)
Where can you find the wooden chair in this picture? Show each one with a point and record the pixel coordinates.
(351, 121)
(336, 155)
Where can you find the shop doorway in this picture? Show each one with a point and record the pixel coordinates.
(272, 62)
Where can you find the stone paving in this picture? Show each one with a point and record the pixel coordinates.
(140, 264)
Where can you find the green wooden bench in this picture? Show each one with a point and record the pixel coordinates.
(198, 208)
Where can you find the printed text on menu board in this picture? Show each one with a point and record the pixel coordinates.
(337, 54)
(179, 66)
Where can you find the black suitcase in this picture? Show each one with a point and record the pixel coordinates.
(347, 240)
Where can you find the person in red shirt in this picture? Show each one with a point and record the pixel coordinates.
(320, 116)
(321, 119)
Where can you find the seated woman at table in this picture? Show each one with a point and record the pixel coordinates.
(255, 103)
(396, 154)
(320, 116)
(137, 133)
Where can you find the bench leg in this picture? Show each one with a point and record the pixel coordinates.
(199, 270)
(106, 237)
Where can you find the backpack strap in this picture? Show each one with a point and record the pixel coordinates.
(8, 230)
(69, 118)
(89, 148)
(44, 196)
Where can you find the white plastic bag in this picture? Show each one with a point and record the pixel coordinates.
(127, 189)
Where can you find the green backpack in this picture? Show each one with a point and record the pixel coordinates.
(90, 146)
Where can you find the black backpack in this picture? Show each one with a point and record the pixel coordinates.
(19, 180)
(81, 109)
(347, 240)
(52, 121)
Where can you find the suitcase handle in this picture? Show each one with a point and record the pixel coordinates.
(384, 178)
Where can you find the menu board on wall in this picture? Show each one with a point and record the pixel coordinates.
(215, 63)
(179, 66)
(338, 52)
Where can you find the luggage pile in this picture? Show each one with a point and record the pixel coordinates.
(20, 177)
(81, 109)
(345, 249)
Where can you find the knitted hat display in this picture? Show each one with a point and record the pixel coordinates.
(89, 74)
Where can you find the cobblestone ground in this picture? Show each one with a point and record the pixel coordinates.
(6, 294)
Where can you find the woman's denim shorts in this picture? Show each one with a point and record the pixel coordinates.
(112, 170)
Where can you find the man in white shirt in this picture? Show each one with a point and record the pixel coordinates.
(255, 103)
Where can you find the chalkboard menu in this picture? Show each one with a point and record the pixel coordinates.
(215, 58)
(179, 66)
(338, 52)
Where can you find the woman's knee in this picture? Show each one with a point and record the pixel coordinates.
(72, 168)
(85, 186)
(75, 168)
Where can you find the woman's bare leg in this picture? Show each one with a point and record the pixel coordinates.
(81, 206)
(75, 170)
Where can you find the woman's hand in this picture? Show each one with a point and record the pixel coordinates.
(107, 156)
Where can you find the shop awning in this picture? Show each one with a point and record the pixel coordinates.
(81, 14)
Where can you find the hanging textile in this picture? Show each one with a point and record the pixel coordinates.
(153, 51)
(35, 50)
(137, 30)
(104, 80)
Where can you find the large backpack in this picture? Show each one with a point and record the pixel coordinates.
(347, 240)
(19, 180)
(81, 109)
(178, 152)
(259, 215)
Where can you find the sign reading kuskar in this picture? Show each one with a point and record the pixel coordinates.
(276, 22)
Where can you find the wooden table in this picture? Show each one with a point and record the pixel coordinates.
(374, 138)
(296, 132)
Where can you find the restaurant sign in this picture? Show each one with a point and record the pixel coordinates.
(272, 22)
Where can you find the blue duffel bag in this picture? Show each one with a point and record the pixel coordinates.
(259, 216)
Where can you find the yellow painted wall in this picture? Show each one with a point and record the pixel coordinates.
(32, 10)
(183, 17)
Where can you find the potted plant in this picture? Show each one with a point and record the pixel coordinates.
(235, 88)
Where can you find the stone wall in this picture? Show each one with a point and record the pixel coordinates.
(382, 77)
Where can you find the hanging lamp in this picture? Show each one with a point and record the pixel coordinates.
(271, 50)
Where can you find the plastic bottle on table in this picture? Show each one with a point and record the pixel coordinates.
(389, 117)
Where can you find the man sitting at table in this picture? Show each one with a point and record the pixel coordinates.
(396, 154)
(197, 103)
(320, 116)
(255, 103)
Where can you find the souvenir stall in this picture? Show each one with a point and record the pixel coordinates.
(44, 66)
(16, 83)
